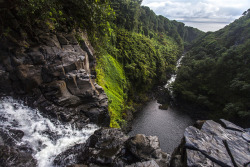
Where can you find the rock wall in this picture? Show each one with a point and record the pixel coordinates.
(213, 144)
(52, 71)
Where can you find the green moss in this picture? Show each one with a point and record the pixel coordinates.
(131, 67)
(111, 76)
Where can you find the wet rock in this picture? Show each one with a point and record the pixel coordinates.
(104, 146)
(10, 137)
(69, 156)
(78, 165)
(144, 147)
(111, 147)
(13, 157)
(52, 71)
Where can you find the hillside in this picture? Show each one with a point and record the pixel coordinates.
(138, 56)
(215, 75)
(134, 49)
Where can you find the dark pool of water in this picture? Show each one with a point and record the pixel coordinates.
(169, 125)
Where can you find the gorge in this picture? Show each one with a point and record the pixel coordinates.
(161, 122)
(75, 74)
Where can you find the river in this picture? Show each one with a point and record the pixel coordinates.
(169, 125)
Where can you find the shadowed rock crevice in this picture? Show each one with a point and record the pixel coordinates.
(230, 154)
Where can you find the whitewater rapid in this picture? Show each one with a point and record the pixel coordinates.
(46, 138)
(173, 76)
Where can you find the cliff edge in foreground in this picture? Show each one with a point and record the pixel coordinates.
(213, 144)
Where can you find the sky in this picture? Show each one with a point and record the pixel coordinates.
(207, 15)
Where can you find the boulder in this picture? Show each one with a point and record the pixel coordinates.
(214, 145)
(211, 146)
(12, 154)
(13, 157)
(144, 147)
(111, 147)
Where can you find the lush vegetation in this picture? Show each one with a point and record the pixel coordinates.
(145, 46)
(135, 48)
(215, 75)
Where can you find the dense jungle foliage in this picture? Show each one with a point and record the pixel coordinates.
(144, 48)
(135, 48)
(215, 74)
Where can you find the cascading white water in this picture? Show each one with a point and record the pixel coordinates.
(173, 76)
(47, 139)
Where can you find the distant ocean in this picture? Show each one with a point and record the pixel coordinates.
(206, 26)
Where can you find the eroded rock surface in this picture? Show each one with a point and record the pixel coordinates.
(111, 147)
(53, 71)
(12, 154)
(225, 145)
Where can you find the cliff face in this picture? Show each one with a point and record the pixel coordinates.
(52, 71)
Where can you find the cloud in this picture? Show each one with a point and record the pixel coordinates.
(199, 10)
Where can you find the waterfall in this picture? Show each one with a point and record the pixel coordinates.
(173, 76)
(46, 138)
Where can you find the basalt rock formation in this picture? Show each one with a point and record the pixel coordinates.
(111, 147)
(53, 71)
(213, 144)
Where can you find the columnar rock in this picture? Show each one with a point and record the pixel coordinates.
(53, 71)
